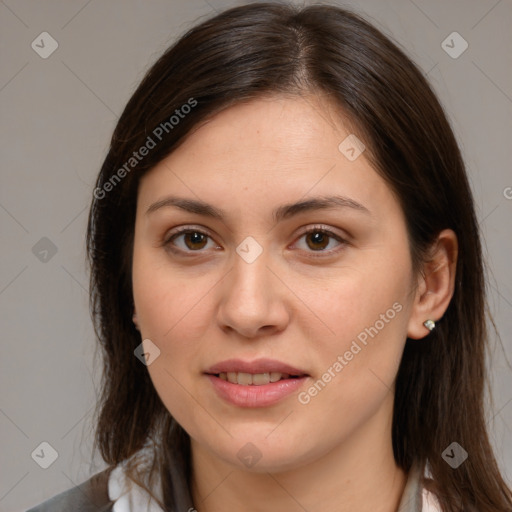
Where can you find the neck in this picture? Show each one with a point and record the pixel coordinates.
(358, 474)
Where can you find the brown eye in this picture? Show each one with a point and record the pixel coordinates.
(317, 240)
(194, 240)
(187, 240)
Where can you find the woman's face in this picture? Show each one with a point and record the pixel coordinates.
(317, 299)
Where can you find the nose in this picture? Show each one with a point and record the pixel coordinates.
(254, 300)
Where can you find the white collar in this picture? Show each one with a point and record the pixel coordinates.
(430, 502)
(130, 497)
(127, 495)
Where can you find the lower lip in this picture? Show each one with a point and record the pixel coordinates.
(255, 396)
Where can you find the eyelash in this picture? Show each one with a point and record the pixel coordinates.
(314, 229)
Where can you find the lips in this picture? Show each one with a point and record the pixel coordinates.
(257, 383)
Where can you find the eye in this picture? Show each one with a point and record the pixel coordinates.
(193, 240)
(317, 239)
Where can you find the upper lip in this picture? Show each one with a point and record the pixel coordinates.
(256, 366)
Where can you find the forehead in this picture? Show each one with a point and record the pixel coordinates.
(294, 129)
(266, 150)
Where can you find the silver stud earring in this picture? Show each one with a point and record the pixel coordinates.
(429, 324)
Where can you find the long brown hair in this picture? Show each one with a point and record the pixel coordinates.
(260, 49)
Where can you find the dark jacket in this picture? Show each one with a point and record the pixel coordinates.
(92, 496)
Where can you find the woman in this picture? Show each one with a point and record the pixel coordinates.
(287, 282)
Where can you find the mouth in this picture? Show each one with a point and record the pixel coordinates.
(254, 373)
(254, 379)
(257, 383)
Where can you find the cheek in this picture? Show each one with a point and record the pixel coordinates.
(356, 369)
(173, 314)
(366, 310)
(175, 309)
(164, 297)
(362, 295)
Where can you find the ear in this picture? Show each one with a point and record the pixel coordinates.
(134, 319)
(436, 284)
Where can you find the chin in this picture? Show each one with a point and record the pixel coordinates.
(259, 453)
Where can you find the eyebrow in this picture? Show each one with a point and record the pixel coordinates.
(283, 212)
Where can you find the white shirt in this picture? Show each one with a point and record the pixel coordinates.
(127, 495)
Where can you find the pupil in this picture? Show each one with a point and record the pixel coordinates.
(319, 238)
(196, 238)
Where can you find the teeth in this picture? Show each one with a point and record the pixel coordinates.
(259, 378)
(256, 379)
(244, 378)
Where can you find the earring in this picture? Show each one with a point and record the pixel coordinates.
(429, 324)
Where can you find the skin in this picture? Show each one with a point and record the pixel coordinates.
(208, 304)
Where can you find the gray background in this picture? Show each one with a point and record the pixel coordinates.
(57, 115)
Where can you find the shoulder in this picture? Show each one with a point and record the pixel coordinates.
(89, 496)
